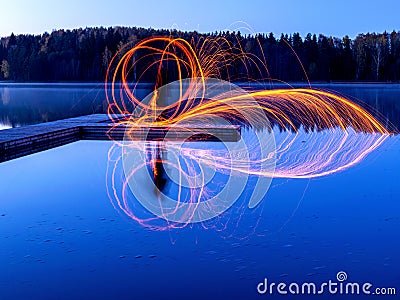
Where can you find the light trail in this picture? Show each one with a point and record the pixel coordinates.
(291, 133)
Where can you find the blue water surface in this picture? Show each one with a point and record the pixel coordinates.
(61, 238)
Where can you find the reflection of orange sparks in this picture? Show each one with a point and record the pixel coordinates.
(346, 131)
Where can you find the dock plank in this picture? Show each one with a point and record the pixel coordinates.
(22, 141)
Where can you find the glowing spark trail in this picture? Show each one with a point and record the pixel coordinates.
(287, 133)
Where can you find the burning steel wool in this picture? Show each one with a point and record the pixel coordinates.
(195, 145)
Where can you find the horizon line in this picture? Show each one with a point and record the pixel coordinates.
(227, 30)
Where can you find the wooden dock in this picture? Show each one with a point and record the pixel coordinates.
(22, 141)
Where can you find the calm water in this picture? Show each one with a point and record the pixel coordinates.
(61, 238)
(23, 104)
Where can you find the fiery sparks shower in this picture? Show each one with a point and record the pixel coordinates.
(285, 133)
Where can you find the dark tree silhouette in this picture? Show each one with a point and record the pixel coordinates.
(84, 54)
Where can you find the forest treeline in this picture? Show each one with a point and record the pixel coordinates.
(84, 54)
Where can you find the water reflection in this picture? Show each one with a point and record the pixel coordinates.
(26, 104)
(5, 95)
(343, 220)
(157, 153)
(5, 126)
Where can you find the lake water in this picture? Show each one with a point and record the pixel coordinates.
(61, 237)
(24, 104)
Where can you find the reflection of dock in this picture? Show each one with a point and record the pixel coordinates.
(21, 141)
